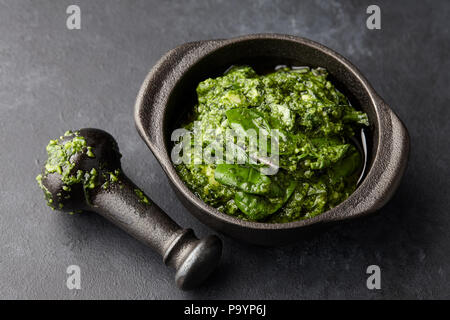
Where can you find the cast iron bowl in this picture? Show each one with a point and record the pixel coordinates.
(168, 94)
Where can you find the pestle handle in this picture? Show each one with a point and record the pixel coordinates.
(126, 206)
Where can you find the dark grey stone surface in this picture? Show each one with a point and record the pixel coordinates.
(53, 79)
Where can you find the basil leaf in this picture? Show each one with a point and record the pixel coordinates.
(258, 207)
(246, 179)
(243, 119)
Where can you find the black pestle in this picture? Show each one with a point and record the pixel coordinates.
(83, 172)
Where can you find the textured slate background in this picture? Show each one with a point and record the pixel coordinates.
(53, 79)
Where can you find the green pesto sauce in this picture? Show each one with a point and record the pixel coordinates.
(60, 152)
(318, 165)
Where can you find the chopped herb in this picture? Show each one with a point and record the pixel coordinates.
(142, 197)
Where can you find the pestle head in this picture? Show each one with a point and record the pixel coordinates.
(78, 163)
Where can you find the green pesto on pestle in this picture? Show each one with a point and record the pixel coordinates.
(318, 164)
(60, 152)
(142, 197)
